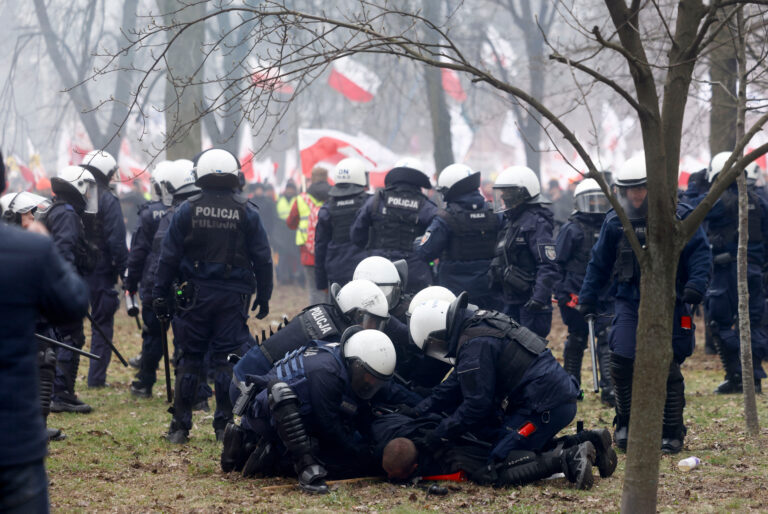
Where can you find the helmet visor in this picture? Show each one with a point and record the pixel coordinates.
(365, 384)
(634, 201)
(507, 198)
(391, 292)
(165, 194)
(593, 202)
(91, 196)
(367, 320)
(436, 346)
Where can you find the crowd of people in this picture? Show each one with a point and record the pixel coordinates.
(422, 349)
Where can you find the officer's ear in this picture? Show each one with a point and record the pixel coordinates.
(454, 311)
(349, 332)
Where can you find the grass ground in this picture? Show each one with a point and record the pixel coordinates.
(115, 459)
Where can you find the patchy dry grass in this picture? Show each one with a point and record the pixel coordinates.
(115, 459)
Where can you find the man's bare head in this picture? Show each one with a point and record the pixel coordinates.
(400, 458)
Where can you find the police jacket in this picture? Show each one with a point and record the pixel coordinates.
(463, 236)
(494, 370)
(34, 281)
(573, 248)
(524, 262)
(66, 227)
(216, 239)
(388, 224)
(722, 224)
(336, 256)
(107, 229)
(150, 215)
(612, 259)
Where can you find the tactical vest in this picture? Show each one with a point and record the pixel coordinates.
(86, 253)
(316, 322)
(473, 232)
(577, 264)
(725, 238)
(217, 230)
(343, 211)
(521, 346)
(513, 265)
(627, 269)
(400, 209)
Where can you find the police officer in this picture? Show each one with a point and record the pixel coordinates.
(722, 298)
(175, 183)
(573, 247)
(612, 257)
(463, 236)
(524, 262)
(76, 195)
(318, 392)
(218, 250)
(335, 254)
(394, 217)
(107, 230)
(498, 364)
(35, 281)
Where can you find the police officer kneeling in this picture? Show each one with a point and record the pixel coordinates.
(217, 247)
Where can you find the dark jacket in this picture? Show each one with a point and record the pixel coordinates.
(150, 215)
(107, 230)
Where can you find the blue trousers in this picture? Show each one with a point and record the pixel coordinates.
(545, 426)
(151, 345)
(24, 489)
(540, 322)
(104, 304)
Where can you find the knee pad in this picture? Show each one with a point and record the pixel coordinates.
(280, 394)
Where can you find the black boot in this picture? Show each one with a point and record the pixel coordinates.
(284, 405)
(604, 364)
(731, 365)
(46, 359)
(673, 431)
(522, 467)
(577, 465)
(67, 401)
(188, 376)
(606, 459)
(573, 354)
(261, 458)
(233, 453)
(621, 374)
(135, 362)
(140, 389)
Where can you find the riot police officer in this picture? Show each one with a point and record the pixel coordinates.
(335, 253)
(524, 262)
(390, 221)
(463, 235)
(613, 258)
(573, 247)
(722, 298)
(107, 230)
(218, 250)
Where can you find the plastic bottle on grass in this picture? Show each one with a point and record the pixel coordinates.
(689, 463)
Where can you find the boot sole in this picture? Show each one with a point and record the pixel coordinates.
(607, 459)
(71, 408)
(588, 454)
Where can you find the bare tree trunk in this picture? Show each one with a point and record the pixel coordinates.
(745, 334)
(722, 73)
(183, 100)
(438, 106)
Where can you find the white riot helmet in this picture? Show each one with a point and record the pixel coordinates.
(157, 175)
(429, 294)
(101, 164)
(350, 177)
(589, 198)
(515, 186)
(79, 181)
(391, 277)
(217, 168)
(371, 359)
(362, 303)
(457, 179)
(632, 175)
(716, 165)
(428, 329)
(179, 179)
(753, 173)
(14, 205)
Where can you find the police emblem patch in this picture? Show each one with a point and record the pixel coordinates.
(549, 252)
(425, 237)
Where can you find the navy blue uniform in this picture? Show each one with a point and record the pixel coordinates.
(108, 232)
(217, 244)
(388, 224)
(336, 256)
(463, 236)
(524, 266)
(722, 297)
(543, 395)
(35, 281)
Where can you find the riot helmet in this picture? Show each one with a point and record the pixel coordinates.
(753, 173)
(716, 165)
(15, 205)
(217, 168)
(156, 177)
(350, 177)
(631, 183)
(370, 358)
(429, 294)
(589, 198)
(362, 303)
(434, 327)
(391, 277)
(101, 164)
(179, 179)
(457, 179)
(77, 184)
(514, 187)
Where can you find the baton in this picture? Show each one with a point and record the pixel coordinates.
(166, 360)
(593, 351)
(67, 347)
(109, 342)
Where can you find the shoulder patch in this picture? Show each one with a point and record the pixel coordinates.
(547, 252)
(425, 237)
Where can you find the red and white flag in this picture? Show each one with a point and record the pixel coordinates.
(269, 77)
(353, 80)
(328, 147)
(452, 85)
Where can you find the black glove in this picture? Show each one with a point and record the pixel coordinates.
(263, 308)
(430, 441)
(534, 305)
(692, 296)
(407, 410)
(161, 308)
(587, 309)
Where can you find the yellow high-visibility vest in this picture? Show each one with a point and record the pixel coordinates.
(304, 210)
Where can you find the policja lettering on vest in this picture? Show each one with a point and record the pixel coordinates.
(214, 216)
(405, 203)
(320, 319)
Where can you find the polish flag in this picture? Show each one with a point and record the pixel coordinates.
(353, 80)
(452, 85)
(269, 77)
(328, 147)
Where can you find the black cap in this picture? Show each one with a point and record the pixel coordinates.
(403, 175)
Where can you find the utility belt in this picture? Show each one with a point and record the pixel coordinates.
(726, 258)
(514, 279)
(185, 295)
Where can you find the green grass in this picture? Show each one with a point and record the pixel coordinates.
(115, 458)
